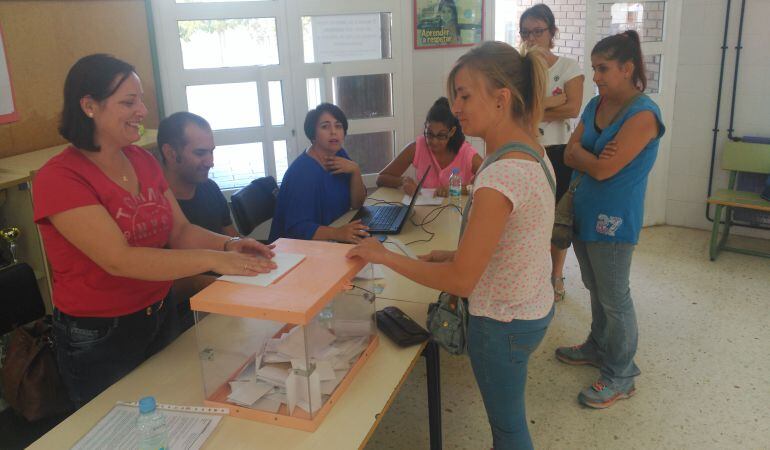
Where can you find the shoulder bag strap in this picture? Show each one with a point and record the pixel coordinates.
(507, 148)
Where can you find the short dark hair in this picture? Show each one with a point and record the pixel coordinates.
(622, 48)
(97, 76)
(442, 113)
(314, 115)
(540, 12)
(171, 130)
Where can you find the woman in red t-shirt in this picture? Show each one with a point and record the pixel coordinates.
(114, 234)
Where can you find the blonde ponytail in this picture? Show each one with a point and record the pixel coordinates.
(538, 77)
(524, 74)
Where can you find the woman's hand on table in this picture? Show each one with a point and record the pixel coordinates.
(252, 247)
(352, 232)
(438, 256)
(371, 250)
(235, 263)
(441, 191)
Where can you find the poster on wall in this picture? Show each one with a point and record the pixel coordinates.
(7, 109)
(448, 23)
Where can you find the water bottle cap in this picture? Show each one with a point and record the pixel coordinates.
(147, 405)
(455, 170)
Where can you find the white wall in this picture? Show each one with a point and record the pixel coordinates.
(696, 100)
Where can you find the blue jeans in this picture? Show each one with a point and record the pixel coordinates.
(499, 353)
(95, 352)
(605, 268)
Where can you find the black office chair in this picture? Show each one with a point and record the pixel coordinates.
(254, 204)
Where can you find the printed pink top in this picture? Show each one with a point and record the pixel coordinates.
(437, 177)
(517, 281)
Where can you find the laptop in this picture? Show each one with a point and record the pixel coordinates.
(387, 219)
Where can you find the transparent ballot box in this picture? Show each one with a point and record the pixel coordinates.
(284, 352)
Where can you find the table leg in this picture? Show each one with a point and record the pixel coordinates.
(431, 354)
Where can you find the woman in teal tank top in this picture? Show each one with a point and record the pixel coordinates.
(613, 150)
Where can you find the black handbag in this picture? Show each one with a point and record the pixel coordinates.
(399, 327)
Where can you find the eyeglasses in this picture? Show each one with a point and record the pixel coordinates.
(536, 32)
(438, 137)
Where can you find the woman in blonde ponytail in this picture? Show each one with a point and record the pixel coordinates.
(502, 264)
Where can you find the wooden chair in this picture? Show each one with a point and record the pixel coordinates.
(738, 157)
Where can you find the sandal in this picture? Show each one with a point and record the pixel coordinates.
(558, 288)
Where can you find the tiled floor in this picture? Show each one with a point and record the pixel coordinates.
(704, 341)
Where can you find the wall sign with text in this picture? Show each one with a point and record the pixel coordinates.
(448, 23)
(7, 108)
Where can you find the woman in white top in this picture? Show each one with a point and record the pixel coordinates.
(564, 96)
(502, 263)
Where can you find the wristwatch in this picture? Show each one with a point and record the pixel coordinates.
(227, 242)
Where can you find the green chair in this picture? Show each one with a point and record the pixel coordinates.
(738, 157)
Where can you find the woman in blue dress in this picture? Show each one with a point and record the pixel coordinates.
(322, 184)
(613, 150)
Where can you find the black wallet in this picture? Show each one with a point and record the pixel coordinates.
(400, 328)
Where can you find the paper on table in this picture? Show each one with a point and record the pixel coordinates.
(117, 430)
(285, 262)
(426, 197)
(371, 272)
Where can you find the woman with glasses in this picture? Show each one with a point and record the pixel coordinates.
(440, 149)
(564, 96)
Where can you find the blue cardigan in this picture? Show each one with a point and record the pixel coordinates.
(309, 197)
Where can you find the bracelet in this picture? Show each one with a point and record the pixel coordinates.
(232, 239)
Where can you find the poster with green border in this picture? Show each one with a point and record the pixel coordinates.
(448, 23)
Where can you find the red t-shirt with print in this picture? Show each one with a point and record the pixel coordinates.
(70, 180)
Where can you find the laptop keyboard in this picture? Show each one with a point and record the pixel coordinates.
(384, 216)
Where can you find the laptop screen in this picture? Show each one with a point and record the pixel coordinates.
(419, 186)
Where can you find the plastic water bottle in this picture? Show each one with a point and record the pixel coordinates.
(152, 432)
(455, 187)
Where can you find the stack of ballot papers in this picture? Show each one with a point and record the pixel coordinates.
(280, 373)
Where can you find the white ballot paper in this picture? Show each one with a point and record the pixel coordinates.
(285, 262)
(426, 197)
(117, 430)
(371, 272)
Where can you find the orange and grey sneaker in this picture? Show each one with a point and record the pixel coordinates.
(578, 355)
(602, 394)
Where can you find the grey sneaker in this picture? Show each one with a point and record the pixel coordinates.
(579, 355)
(602, 395)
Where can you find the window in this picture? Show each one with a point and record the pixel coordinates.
(239, 65)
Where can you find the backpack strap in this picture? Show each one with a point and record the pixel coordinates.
(505, 149)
